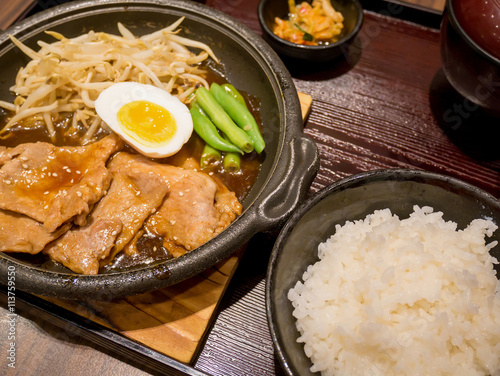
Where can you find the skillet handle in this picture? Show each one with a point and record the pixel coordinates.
(293, 180)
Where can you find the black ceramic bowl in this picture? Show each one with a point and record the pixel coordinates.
(470, 42)
(353, 20)
(290, 160)
(353, 198)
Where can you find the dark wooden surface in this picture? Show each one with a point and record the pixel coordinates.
(12, 10)
(386, 105)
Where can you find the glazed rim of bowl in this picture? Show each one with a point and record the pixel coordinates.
(291, 163)
(467, 38)
(354, 181)
(322, 47)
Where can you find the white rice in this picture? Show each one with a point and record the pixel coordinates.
(402, 297)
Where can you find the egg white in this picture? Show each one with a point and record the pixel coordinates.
(116, 96)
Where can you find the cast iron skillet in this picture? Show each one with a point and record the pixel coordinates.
(290, 161)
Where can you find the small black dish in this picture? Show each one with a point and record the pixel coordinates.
(353, 20)
(349, 199)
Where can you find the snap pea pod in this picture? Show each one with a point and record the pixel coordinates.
(231, 162)
(204, 127)
(210, 156)
(230, 89)
(223, 121)
(240, 114)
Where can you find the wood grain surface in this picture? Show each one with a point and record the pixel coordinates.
(172, 321)
(12, 10)
(433, 4)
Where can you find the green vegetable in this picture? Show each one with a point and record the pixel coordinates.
(207, 130)
(230, 89)
(307, 37)
(210, 156)
(222, 120)
(232, 162)
(240, 114)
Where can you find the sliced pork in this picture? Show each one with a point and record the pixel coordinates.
(19, 233)
(196, 209)
(108, 207)
(134, 194)
(55, 184)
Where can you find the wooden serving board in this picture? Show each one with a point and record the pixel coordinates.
(12, 10)
(172, 320)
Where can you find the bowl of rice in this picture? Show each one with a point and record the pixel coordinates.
(389, 272)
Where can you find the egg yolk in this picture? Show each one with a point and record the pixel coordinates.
(148, 123)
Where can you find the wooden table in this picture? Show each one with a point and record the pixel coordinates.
(387, 105)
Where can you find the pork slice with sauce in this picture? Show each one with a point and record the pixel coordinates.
(55, 184)
(19, 233)
(134, 194)
(197, 208)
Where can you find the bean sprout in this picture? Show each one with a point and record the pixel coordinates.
(70, 73)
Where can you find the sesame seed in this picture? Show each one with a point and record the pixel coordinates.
(78, 172)
(154, 249)
(46, 192)
(138, 193)
(44, 168)
(25, 165)
(175, 237)
(114, 233)
(181, 194)
(46, 207)
(79, 194)
(54, 174)
(195, 202)
(8, 182)
(172, 222)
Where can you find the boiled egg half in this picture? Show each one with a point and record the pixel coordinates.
(148, 118)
